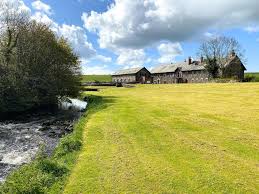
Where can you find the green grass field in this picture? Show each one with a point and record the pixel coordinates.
(200, 138)
(94, 78)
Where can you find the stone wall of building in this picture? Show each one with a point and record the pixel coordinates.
(144, 76)
(196, 76)
(234, 70)
(181, 77)
(124, 78)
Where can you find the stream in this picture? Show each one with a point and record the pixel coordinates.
(20, 140)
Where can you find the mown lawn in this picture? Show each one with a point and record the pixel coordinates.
(200, 138)
(96, 78)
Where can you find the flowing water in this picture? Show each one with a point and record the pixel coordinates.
(20, 140)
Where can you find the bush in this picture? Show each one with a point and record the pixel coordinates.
(27, 180)
(68, 145)
(52, 167)
(250, 78)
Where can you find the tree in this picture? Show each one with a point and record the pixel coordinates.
(37, 67)
(12, 17)
(219, 48)
(212, 67)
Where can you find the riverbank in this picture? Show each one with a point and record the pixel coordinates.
(22, 139)
(48, 173)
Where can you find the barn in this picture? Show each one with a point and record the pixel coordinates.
(133, 75)
(234, 68)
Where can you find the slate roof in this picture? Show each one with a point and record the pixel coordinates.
(167, 68)
(128, 71)
(232, 59)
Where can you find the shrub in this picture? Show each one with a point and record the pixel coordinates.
(27, 180)
(52, 167)
(250, 78)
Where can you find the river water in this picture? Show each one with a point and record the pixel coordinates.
(20, 140)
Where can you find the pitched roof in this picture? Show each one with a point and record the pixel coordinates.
(167, 68)
(232, 59)
(128, 71)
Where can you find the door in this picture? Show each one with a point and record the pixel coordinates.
(143, 79)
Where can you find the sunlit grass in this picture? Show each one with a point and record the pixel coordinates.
(199, 138)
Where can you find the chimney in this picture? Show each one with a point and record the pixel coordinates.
(190, 60)
(233, 54)
(202, 59)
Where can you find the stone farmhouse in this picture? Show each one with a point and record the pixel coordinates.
(182, 72)
(234, 68)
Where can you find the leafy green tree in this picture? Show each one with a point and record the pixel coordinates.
(37, 68)
(212, 67)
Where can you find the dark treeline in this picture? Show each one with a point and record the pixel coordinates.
(37, 68)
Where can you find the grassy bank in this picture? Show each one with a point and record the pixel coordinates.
(199, 138)
(48, 175)
(96, 78)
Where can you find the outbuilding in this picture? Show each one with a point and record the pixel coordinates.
(133, 75)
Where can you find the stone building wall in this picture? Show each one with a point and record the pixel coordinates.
(196, 76)
(124, 78)
(181, 77)
(234, 70)
(144, 76)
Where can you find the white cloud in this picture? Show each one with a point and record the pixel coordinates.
(96, 70)
(78, 39)
(40, 6)
(43, 18)
(168, 52)
(103, 58)
(252, 29)
(131, 57)
(141, 23)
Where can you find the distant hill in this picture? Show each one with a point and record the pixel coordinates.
(96, 78)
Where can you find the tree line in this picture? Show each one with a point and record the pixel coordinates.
(37, 68)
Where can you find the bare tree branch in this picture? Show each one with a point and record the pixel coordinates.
(220, 48)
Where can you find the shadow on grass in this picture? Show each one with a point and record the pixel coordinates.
(98, 103)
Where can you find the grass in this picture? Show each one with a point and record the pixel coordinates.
(199, 138)
(254, 76)
(48, 175)
(98, 78)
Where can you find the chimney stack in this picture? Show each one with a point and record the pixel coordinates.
(233, 54)
(190, 60)
(202, 59)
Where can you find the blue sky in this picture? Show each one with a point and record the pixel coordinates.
(112, 35)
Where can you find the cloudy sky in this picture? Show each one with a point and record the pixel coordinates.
(113, 34)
